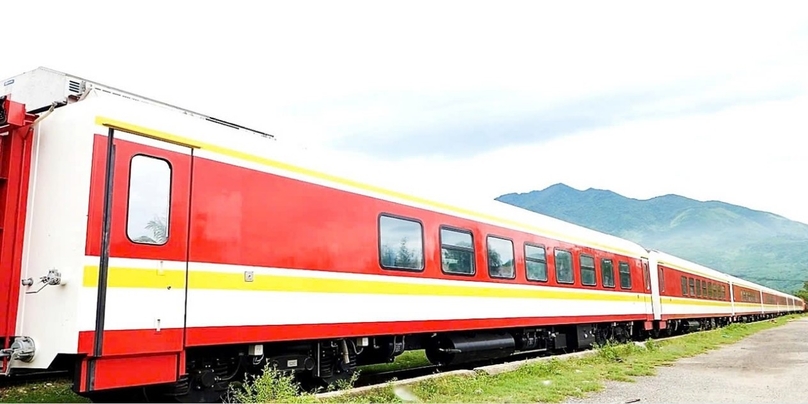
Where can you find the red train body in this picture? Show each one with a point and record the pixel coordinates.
(148, 246)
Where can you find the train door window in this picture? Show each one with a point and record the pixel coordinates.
(646, 275)
(661, 280)
(684, 286)
(149, 200)
(401, 243)
(624, 272)
(535, 263)
(457, 251)
(563, 266)
(500, 258)
(692, 287)
(607, 272)
(587, 266)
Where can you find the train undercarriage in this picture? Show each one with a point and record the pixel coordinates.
(317, 364)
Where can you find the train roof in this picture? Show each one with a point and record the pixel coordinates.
(689, 266)
(43, 87)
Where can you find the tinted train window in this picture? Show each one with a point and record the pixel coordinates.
(401, 243)
(149, 200)
(500, 258)
(457, 252)
(607, 273)
(563, 267)
(588, 270)
(625, 276)
(684, 286)
(535, 263)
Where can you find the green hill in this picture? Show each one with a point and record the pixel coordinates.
(759, 246)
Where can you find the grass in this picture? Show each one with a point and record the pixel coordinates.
(407, 360)
(552, 380)
(46, 391)
(556, 380)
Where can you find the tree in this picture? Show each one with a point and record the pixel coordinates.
(803, 293)
(159, 230)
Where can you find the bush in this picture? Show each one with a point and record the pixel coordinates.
(271, 386)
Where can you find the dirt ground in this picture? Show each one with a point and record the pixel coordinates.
(768, 367)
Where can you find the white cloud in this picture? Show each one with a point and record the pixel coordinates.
(317, 71)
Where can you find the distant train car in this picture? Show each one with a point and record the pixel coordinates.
(147, 246)
(691, 296)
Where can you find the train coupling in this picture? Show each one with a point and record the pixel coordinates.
(21, 349)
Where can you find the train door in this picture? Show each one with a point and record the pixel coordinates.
(144, 199)
(647, 294)
(656, 275)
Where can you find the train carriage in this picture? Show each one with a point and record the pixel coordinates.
(145, 245)
(690, 294)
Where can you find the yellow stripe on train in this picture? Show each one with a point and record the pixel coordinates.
(122, 277)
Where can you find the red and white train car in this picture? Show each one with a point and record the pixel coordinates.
(144, 245)
(690, 295)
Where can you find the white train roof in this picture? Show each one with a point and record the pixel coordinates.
(689, 266)
(43, 87)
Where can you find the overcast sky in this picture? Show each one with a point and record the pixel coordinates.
(708, 100)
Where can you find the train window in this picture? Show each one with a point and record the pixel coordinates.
(698, 287)
(684, 286)
(563, 267)
(625, 275)
(500, 258)
(457, 251)
(704, 288)
(587, 265)
(661, 280)
(607, 273)
(692, 287)
(401, 243)
(149, 200)
(535, 263)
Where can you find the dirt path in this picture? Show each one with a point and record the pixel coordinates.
(767, 367)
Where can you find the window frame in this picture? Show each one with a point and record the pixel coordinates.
(581, 270)
(528, 259)
(684, 286)
(556, 250)
(472, 249)
(620, 274)
(487, 258)
(379, 243)
(613, 285)
(169, 202)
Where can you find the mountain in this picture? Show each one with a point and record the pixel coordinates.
(759, 246)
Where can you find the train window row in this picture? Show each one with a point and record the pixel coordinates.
(749, 297)
(703, 289)
(402, 248)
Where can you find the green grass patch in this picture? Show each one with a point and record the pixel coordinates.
(408, 359)
(49, 391)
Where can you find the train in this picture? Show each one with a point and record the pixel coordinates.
(149, 246)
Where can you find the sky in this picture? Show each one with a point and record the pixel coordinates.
(708, 100)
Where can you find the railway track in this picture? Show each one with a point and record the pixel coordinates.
(373, 379)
